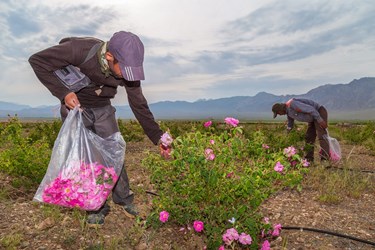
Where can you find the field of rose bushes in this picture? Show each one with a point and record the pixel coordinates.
(218, 174)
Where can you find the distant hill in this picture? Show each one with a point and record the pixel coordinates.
(352, 101)
(12, 106)
(355, 96)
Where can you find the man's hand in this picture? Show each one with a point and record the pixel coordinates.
(323, 124)
(71, 100)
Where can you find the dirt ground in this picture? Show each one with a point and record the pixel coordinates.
(28, 225)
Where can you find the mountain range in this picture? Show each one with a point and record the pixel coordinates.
(351, 101)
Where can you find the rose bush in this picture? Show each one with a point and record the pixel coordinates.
(230, 178)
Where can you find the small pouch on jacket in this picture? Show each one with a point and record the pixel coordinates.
(72, 78)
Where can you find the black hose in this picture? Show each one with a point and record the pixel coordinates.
(328, 232)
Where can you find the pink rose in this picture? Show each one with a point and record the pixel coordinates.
(198, 226)
(207, 124)
(231, 121)
(230, 175)
(266, 220)
(244, 239)
(163, 216)
(166, 139)
(278, 167)
(266, 245)
(290, 151)
(230, 235)
(276, 230)
(209, 153)
(305, 163)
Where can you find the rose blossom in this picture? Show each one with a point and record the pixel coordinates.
(164, 215)
(209, 153)
(166, 139)
(207, 124)
(276, 230)
(229, 175)
(305, 163)
(244, 239)
(266, 220)
(77, 186)
(198, 226)
(334, 156)
(293, 163)
(230, 235)
(266, 245)
(279, 167)
(231, 121)
(290, 151)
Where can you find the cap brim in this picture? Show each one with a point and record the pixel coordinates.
(132, 73)
(274, 115)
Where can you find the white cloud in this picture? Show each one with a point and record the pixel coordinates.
(199, 49)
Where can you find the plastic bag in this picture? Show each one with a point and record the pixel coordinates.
(83, 168)
(334, 148)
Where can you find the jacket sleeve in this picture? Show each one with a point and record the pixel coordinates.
(305, 108)
(45, 62)
(142, 112)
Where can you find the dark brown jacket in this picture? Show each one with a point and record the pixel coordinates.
(74, 51)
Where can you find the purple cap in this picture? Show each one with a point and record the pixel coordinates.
(128, 49)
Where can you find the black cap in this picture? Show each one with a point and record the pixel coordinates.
(277, 107)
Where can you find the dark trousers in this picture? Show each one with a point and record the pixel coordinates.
(102, 121)
(314, 130)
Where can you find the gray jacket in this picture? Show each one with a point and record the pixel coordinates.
(303, 110)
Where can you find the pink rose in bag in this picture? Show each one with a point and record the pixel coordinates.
(83, 168)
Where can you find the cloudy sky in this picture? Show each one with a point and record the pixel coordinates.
(204, 49)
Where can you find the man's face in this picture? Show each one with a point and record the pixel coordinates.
(281, 112)
(114, 66)
(115, 69)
